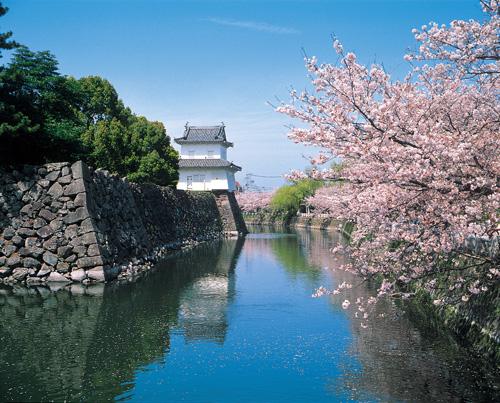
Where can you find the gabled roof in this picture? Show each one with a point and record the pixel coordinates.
(204, 134)
(207, 163)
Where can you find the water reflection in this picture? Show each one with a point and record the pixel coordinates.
(292, 253)
(204, 302)
(228, 321)
(402, 357)
(86, 343)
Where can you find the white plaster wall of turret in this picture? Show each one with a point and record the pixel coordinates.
(202, 151)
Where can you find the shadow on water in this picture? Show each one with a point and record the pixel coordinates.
(86, 343)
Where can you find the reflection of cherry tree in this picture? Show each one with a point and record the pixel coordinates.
(401, 361)
(421, 158)
(254, 201)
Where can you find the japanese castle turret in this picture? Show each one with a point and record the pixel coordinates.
(203, 163)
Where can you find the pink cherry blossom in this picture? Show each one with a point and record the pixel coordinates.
(420, 159)
(254, 201)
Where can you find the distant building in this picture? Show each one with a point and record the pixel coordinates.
(203, 163)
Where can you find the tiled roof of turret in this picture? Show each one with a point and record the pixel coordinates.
(207, 163)
(204, 134)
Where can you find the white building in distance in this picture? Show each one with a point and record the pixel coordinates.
(203, 163)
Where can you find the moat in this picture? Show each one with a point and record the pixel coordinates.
(228, 321)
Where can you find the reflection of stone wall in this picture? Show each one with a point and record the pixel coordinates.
(44, 341)
(82, 343)
(62, 223)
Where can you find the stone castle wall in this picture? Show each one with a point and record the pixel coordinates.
(230, 213)
(67, 223)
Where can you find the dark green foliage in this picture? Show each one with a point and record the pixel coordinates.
(37, 115)
(153, 160)
(121, 142)
(47, 117)
(5, 41)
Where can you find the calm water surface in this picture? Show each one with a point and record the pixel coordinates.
(228, 321)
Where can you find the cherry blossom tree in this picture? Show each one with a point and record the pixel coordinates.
(254, 201)
(325, 198)
(421, 161)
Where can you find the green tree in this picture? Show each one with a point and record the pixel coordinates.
(5, 41)
(36, 110)
(99, 101)
(122, 142)
(46, 117)
(153, 159)
(288, 198)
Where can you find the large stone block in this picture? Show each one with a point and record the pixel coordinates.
(71, 258)
(51, 244)
(80, 214)
(50, 258)
(14, 261)
(97, 274)
(52, 176)
(55, 277)
(8, 250)
(8, 233)
(85, 239)
(46, 215)
(56, 224)
(44, 270)
(71, 231)
(39, 223)
(64, 251)
(30, 242)
(93, 250)
(17, 240)
(30, 262)
(86, 226)
(44, 183)
(32, 251)
(64, 180)
(78, 186)
(78, 275)
(91, 261)
(80, 250)
(62, 267)
(26, 232)
(20, 273)
(27, 209)
(56, 191)
(79, 170)
(45, 232)
(80, 200)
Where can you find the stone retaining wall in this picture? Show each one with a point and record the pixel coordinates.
(67, 223)
(230, 213)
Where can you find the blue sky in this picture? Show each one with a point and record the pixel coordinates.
(211, 61)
